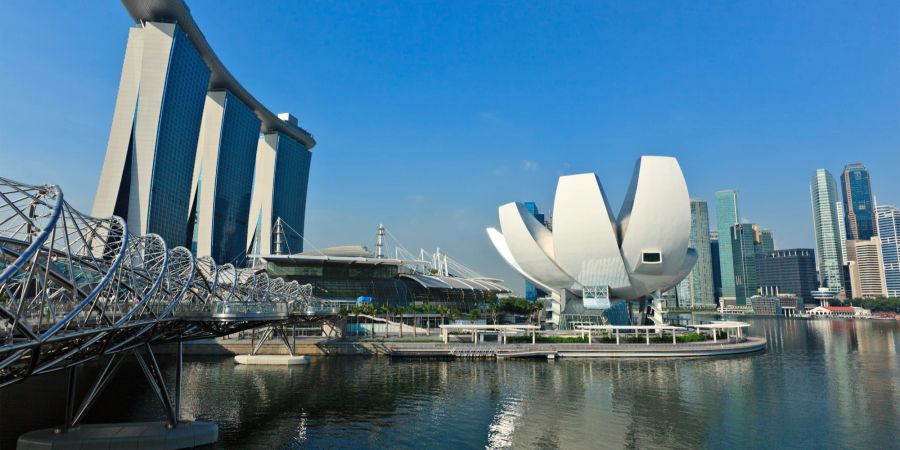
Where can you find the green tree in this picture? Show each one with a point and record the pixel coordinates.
(343, 312)
(474, 314)
(400, 311)
(493, 308)
(386, 310)
(537, 309)
(356, 310)
(427, 309)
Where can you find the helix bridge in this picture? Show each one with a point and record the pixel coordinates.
(75, 288)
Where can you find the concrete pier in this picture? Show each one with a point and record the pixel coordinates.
(271, 360)
(139, 435)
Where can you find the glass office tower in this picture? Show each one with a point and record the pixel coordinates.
(699, 284)
(744, 248)
(889, 231)
(146, 176)
(823, 193)
(790, 271)
(859, 208)
(727, 215)
(531, 291)
(716, 264)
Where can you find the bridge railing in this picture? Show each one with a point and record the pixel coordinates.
(74, 287)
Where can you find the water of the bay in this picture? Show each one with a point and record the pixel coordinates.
(820, 384)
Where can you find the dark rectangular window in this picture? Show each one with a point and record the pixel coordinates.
(652, 257)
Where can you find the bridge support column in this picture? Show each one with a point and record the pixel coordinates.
(169, 434)
(178, 371)
(155, 378)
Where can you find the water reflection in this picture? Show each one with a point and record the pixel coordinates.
(821, 383)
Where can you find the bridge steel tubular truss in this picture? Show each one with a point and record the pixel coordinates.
(75, 288)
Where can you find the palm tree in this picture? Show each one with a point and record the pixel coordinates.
(415, 310)
(356, 310)
(343, 312)
(537, 308)
(474, 314)
(369, 310)
(386, 310)
(443, 311)
(427, 309)
(454, 314)
(399, 311)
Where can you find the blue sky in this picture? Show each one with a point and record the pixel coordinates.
(429, 115)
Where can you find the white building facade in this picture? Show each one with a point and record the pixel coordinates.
(593, 257)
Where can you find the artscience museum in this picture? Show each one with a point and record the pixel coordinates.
(596, 264)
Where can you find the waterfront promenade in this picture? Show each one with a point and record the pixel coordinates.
(460, 348)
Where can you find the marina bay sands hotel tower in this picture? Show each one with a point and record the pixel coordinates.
(192, 155)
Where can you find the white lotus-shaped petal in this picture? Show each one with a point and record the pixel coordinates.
(643, 251)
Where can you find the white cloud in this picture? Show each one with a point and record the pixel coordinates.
(529, 166)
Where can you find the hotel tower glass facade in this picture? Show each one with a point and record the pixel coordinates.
(279, 192)
(182, 159)
(146, 176)
(223, 177)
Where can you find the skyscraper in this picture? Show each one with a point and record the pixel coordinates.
(790, 271)
(531, 291)
(223, 177)
(889, 232)
(146, 176)
(842, 230)
(859, 208)
(698, 288)
(866, 268)
(716, 264)
(765, 241)
(823, 193)
(727, 215)
(744, 247)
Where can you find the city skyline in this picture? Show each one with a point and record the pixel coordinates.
(498, 128)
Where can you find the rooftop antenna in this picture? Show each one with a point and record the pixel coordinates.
(379, 241)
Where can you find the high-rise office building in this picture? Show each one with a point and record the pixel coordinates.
(146, 176)
(765, 240)
(859, 208)
(744, 247)
(727, 215)
(866, 268)
(889, 232)
(823, 193)
(223, 177)
(532, 292)
(716, 264)
(842, 230)
(790, 271)
(279, 192)
(698, 288)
